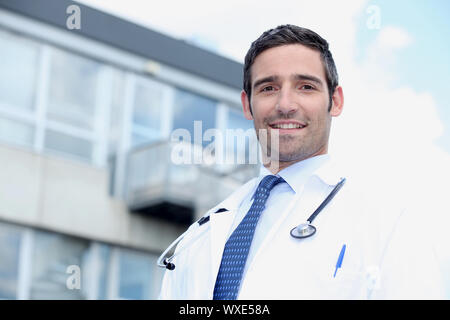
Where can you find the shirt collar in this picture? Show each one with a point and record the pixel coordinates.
(297, 174)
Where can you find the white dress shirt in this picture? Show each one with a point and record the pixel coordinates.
(294, 176)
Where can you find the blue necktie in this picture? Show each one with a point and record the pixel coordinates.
(238, 245)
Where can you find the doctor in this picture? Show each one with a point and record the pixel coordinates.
(244, 247)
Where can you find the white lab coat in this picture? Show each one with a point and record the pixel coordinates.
(384, 258)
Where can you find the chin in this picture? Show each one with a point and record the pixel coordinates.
(290, 156)
(295, 154)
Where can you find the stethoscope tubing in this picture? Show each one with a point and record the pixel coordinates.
(327, 200)
(165, 262)
(306, 230)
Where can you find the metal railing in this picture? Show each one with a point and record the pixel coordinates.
(153, 177)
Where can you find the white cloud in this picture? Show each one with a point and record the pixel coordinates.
(386, 124)
(388, 119)
(391, 37)
(383, 54)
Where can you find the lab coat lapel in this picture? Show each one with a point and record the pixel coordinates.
(221, 219)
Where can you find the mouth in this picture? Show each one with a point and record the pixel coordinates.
(287, 126)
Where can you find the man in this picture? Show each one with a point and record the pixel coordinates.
(246, 250)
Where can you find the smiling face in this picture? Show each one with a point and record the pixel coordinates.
(289, 96)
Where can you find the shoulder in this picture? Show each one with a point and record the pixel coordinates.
(231, 200)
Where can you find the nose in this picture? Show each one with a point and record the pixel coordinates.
(286, 103)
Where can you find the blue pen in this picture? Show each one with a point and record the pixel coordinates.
(339, 262)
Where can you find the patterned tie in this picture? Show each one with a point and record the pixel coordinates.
(238, 245)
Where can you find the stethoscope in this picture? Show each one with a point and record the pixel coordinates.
(302, 231)
(306, 229)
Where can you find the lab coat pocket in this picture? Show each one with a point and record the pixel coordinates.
(345, 284)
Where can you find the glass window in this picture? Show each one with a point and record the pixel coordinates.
(236, 120)
(115, 126)
(60, 142)
(72, 89)
(105, 261)
(18, 65)
(116, 111)
(147, 104)
(139, 138)
(52, 255)
(16, 132)
(135, 275)
(10, 238)
(147, 111)
(190, 107)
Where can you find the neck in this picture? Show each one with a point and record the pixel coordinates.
(275, 166)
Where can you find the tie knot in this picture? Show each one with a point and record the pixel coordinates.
(266, 185)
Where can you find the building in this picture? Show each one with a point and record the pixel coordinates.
(89, 193)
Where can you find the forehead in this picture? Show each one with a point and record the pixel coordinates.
(286, 60)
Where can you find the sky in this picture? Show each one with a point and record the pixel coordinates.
(392, 59)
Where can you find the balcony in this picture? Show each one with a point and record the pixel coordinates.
(157, 186)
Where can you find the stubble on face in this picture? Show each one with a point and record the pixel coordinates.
(287, 149)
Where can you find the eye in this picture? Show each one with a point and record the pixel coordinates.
(267, 88)
(307, 87)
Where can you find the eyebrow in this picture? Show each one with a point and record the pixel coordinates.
(309, 78)
(295, 76)
(264, 80)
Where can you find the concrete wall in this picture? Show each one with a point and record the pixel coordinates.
(66, 196)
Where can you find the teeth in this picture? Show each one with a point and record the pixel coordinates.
(287, 126)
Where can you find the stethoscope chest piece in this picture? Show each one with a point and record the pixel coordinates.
(303, 230)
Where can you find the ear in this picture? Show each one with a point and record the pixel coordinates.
(246, 105)
(337, 102)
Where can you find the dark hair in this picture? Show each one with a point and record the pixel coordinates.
(290, 34)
